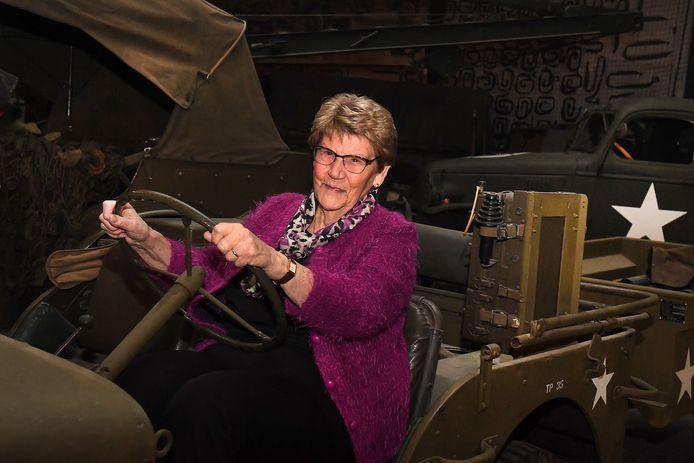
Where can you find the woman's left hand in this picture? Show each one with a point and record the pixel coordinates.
(241, 247)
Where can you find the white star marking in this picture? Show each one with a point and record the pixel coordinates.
(648, 220)
(601, 383)
(685, 376)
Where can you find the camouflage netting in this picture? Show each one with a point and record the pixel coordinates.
(46, 184)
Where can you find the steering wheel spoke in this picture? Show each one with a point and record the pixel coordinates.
(267, 286)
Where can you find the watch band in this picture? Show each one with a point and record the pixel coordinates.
(291, 271)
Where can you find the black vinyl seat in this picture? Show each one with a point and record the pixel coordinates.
(45, 327)
(423, 335)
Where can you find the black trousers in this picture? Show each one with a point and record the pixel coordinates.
(224, 405)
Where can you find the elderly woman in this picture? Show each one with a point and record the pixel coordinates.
(337, 389)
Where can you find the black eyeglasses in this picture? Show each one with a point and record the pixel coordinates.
(354, 164)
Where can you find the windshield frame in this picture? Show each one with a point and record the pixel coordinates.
(591, 130)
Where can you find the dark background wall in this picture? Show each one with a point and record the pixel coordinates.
(536, 84)
(532, 84)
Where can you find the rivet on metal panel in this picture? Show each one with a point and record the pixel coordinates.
(249, 176)
(179, 173)
(149, 179)
(519, 211)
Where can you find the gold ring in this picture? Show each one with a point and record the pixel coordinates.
(233, 251)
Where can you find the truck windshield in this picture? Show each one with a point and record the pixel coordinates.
(591, 130)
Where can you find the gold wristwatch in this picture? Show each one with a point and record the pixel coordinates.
(291, 271)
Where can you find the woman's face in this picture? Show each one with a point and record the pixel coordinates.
(338, 190)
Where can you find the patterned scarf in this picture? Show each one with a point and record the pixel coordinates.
(298, 243)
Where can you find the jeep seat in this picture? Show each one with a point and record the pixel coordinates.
(45, 327)
(423, 336)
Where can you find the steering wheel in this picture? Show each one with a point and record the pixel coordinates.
(269, 289)
(622, 151)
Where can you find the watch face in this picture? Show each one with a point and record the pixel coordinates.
(291, 271)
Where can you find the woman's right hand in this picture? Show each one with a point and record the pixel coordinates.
(151, 245)
(128, 225)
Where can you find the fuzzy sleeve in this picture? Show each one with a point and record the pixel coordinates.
(369, 293)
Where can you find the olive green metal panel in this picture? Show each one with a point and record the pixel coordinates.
(663, 358)
(533, 268)
(618, 257)
(223, 190)
(56, 411)
(664, 355)
(582, 375)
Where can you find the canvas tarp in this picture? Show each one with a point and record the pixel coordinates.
(197, 55)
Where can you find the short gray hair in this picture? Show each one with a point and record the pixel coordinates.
(347, 113)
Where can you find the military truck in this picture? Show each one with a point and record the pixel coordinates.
(632, 158)
(531, 350)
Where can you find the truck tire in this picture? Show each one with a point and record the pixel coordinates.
(517, 451)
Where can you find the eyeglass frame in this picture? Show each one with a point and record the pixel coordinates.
(367, 162)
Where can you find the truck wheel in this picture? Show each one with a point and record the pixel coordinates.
(517, 451)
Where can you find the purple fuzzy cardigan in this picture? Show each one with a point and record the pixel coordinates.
(356, 311)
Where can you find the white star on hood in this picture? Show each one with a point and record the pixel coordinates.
(685, 376)
(648, 220)
(601, 383)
